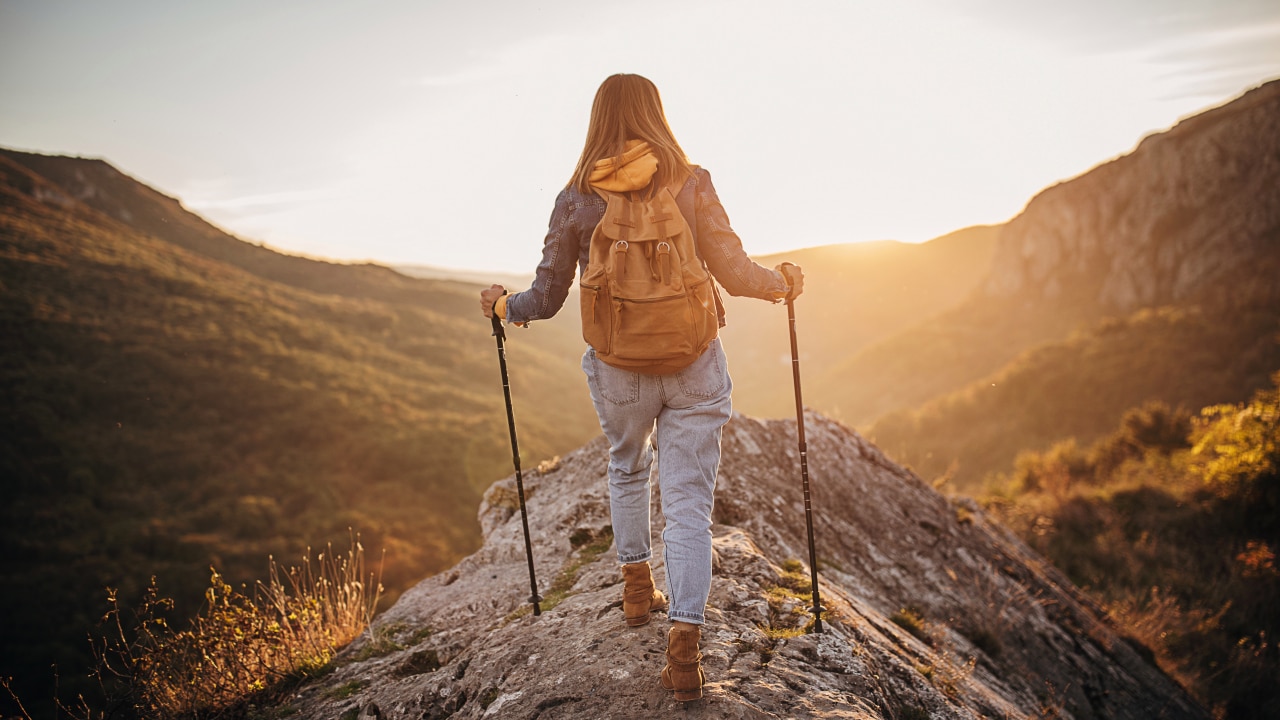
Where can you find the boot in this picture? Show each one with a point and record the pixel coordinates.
(683, 672)
(639, 596)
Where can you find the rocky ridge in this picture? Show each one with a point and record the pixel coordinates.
(932, 610)
(1189, 208)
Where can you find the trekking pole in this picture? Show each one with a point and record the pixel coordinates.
(501, 335)
(804, 467)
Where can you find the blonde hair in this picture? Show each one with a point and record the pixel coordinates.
(628, 107)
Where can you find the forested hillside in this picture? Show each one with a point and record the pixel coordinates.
(1172, 521)
(176, 399)
(1150, 278)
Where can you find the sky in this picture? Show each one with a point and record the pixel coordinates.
(439, 133)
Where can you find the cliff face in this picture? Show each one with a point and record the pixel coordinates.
(1196, 206)
(1190, 220)
(994, 631)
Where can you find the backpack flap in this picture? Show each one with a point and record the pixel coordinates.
(647, 300)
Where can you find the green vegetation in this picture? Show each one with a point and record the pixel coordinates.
(911, 620)
(345, 690)
(795, 577)
(386, 639)
(590, 546)
(562, 586)
(178, 399)
(487, 697)
(1082, 386)
(911, 712)
(1173, 521)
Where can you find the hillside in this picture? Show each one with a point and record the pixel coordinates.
(855, 295)
(177, 399)
(1080, 387)
(1172, 521)
(932, 610)
(1151, 277)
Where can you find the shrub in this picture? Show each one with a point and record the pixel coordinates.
(240, 648)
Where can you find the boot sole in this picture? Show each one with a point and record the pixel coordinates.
(682, 695)
(641, 620)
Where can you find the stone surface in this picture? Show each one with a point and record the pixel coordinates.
(1001, 633)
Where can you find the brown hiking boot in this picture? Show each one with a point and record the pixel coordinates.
(683, 672)
(639, 596)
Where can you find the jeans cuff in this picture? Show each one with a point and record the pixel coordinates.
(638, 557)
(691, 618)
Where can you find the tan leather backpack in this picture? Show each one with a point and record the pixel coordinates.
(648, 301)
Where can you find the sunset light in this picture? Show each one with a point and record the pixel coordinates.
(347, 132)
(947, 383)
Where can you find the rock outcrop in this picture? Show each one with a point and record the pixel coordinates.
(1189, 208)
(932, 609)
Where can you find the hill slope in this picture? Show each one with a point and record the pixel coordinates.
(992, 630)
(176, 398)
(1151, 277)
(855, 295)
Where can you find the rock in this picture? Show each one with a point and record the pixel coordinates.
(1188, 215)
(931, 609)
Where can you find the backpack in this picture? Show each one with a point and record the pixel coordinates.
(648, 301)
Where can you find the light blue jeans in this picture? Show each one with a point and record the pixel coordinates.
(683, 415)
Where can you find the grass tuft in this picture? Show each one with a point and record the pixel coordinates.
(345, 690)
(590, 547)
(242, 649)
(911, 620)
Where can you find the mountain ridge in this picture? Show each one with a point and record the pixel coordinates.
(931, 609)
(1188, 223)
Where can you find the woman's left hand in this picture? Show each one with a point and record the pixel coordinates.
(489, 297)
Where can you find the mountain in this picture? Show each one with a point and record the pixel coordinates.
(1150, 277)
(931, 609)
(855, 295)
(176, 398)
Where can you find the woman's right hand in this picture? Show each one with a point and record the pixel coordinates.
(489, 297)
(794, 277)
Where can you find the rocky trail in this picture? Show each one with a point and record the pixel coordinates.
(932, 610)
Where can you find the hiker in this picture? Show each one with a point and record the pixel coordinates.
(646, 390)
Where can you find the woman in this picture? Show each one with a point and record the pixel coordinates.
(630, 149)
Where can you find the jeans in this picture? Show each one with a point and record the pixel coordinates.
(683, 414)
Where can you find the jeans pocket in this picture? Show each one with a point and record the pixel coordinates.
(619, 387)
(706, 377)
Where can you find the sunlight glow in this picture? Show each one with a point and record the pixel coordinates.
(392, 135)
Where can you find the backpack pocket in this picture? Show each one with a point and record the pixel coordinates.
(597, 310)
(653, 328)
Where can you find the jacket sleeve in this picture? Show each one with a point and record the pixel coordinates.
(722, 250)
(555, 273)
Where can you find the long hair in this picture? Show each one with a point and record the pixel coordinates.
(628, 107)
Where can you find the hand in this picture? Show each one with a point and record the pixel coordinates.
(489, 297)
(794, 277)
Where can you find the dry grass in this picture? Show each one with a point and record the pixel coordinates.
(241, 648)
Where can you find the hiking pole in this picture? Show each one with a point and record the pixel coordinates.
(501, 335)
(804, 467)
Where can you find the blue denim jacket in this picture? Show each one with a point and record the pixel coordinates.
(568, 244)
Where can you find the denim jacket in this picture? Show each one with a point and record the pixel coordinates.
(568, 244)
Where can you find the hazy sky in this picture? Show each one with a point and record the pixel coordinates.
(440, 132)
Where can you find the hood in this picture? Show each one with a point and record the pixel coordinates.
(632, 171)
